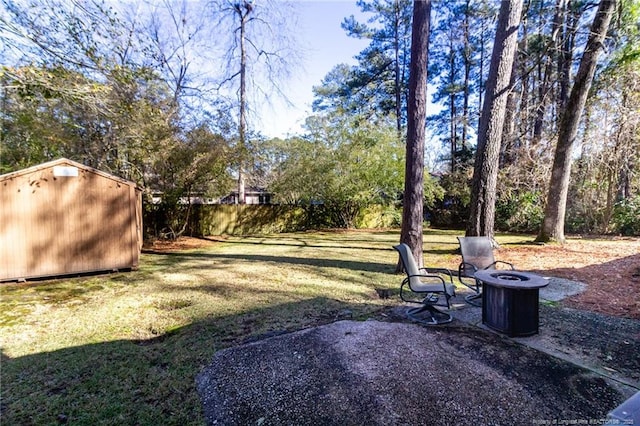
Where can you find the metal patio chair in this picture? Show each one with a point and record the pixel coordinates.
(425, 286)
(477, 254)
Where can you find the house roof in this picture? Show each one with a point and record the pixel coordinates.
(65, 162)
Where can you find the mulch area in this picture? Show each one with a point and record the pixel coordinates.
(182, 243)
(609, 266)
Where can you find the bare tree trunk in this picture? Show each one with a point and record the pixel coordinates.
(545, 76)
(412, 210)
(453, 130)
(509, 146)
(525, 84)
(566, 56)
(554, 214)
(485, 173)
(467, 76)
(242, 120)
(481, 87)
(397, 81)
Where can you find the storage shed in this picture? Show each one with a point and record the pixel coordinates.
(62, 217)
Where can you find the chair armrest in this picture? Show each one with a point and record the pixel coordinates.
(443, 271)
(427, 275)
(437, 285)
(464, 266)
(432, 284)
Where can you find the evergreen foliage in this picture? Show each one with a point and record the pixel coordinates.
(124, 90)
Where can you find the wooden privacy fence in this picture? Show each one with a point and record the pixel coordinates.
(229, 219)
(243, 219)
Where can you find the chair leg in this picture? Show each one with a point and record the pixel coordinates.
(435, 316)
(473, 299)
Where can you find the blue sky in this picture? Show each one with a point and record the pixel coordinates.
(325, 45)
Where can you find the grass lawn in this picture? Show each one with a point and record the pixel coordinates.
(125, 348)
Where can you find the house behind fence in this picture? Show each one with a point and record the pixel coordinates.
(62, 217)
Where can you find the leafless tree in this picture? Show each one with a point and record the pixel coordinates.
(261, 53)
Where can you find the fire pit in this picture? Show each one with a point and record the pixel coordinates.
(510, 301)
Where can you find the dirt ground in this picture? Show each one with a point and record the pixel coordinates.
(610, 266)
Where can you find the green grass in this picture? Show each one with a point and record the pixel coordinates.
(125, 348)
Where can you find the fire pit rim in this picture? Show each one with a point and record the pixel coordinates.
(526, 280)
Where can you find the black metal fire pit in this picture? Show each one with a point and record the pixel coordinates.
(510, 301)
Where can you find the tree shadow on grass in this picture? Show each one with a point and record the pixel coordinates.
(148, 382)
(145, 382)
(171, 259)
(349, 242)
(341, 239)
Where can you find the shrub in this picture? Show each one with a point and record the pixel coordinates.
(520, 212)
(626, 216)
(379, 216)
(449, 208)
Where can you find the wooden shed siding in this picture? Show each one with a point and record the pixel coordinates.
(53, 225)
